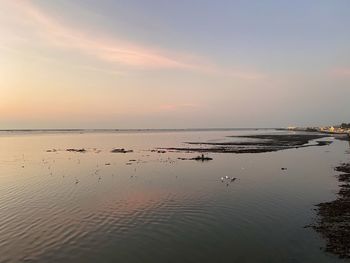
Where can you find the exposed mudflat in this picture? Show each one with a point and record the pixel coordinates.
(334, 217)
(256, 143)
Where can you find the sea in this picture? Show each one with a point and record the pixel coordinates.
(150, 206)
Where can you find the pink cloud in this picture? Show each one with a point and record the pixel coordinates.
(108, 50)
(340, 72)
(117, 51)
(175, 107)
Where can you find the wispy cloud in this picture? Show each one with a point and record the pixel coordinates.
(116, 51)
(175, 107)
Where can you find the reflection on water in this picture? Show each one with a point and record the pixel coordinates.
(100, 206)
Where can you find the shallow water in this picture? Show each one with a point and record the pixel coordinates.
(72, 207)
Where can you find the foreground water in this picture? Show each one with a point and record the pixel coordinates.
(99, 206)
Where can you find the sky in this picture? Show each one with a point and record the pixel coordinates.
(173, 64)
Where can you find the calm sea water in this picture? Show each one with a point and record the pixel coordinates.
(72, 207)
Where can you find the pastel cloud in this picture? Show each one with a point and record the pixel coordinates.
(175, 107)
(340, 72)
(117, 51)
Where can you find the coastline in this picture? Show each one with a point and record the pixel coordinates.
(333, 222)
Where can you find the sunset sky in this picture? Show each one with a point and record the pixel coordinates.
(173, 64)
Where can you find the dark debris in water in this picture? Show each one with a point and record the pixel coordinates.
(202, 158)
(158, 151)
(121, 150)
(82, 150)
(197, 158)
(333, 222)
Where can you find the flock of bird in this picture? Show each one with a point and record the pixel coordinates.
(226, 179)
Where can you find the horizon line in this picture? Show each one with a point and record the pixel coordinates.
(137, 129)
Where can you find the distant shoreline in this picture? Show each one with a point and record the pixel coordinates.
(122, 129)
(134, 130)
